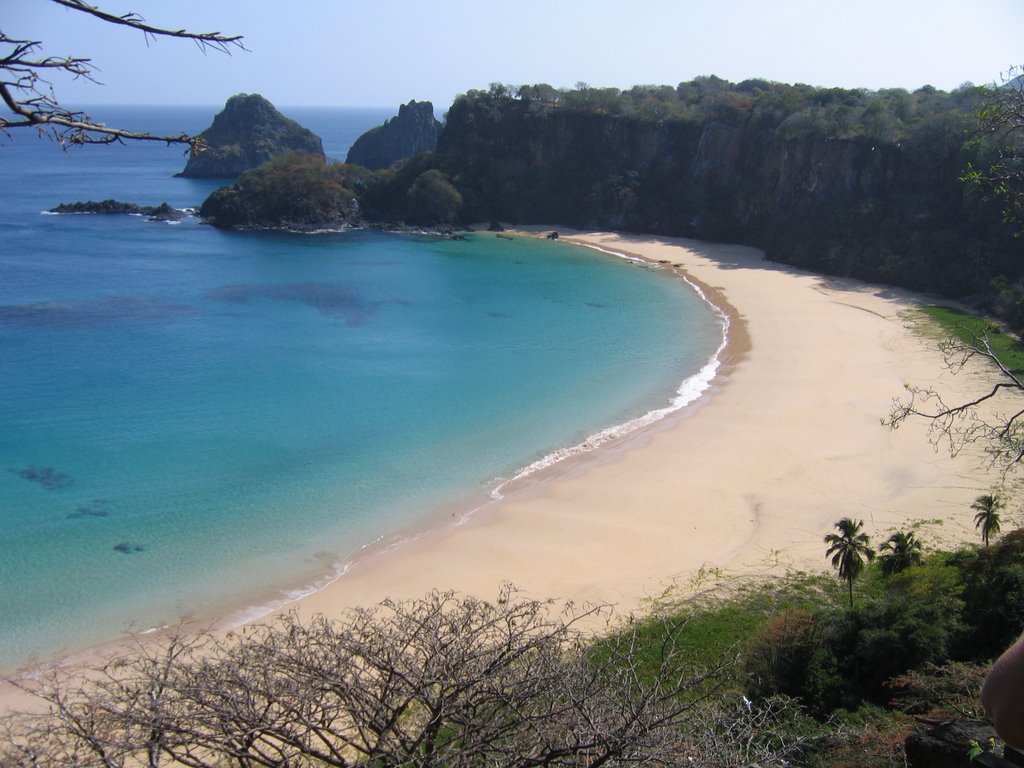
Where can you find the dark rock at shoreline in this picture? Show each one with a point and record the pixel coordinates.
(246, 133)
(162, 212)
(412, 131)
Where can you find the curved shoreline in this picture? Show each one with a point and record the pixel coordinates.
(746, 479)
(761, 466)
(689, 391)
(253, 607)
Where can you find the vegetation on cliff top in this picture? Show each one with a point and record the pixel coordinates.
(851, 182)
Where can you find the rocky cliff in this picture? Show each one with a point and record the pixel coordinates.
(247, 132)
(412, 131)
(846, 182)
(875, 200)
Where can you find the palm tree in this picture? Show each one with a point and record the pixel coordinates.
(988, 507)
(902, 550)
(850, 549)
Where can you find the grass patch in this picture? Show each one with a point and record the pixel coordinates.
(968, 328)
(714, 630)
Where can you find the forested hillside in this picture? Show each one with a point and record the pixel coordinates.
(868, 184)
(849, 182)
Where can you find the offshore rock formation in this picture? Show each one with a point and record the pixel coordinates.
(248, 132)
(295, 192)
(854, 183)
(162, 212)
(414, 130)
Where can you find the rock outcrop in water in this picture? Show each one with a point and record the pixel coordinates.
(162, 212)
(412, 131)
(248, 132)
(298, 192)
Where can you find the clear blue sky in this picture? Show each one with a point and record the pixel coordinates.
(385, 52)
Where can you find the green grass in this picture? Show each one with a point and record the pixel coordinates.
(967, 327)
(715, 631)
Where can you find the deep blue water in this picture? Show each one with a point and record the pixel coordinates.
(193, 420)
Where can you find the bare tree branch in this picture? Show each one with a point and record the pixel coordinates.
(30, 99)
(993, 420)
(135, 21)
(443, 681)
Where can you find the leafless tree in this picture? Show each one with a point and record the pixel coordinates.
(443, 681)
(28, 94)
(992, 420)
(772, 732)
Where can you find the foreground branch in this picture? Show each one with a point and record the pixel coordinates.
(973, 421)
(443, 681)
(31, 102)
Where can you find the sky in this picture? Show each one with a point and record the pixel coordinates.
(383, 53)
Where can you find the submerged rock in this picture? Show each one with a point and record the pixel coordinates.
(128, 548)
(46, 477)
(246, 133)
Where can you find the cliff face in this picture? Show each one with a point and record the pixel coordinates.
(248, 132)
(414, 130)
(878, 210)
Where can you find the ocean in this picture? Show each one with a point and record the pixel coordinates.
(196, 422)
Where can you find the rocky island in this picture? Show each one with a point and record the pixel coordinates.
(413, 130)
(294, 191)
(249, 131)
(162, 212)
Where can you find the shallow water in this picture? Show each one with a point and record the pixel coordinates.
(193, 419)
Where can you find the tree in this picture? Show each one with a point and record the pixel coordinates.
(28, 94)
(850, 550)
(1001, 128)
(999, 429)
(899, 552)
(441, 681)
(432, 199)
(987, 507)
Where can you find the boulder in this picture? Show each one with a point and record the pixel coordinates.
(246, 133)
(946, 745)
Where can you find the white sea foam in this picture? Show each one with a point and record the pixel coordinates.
(689, 390)
(287, 597)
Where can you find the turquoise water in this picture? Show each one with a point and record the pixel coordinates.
(194, 420)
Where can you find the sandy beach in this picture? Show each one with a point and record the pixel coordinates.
(748, 479)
